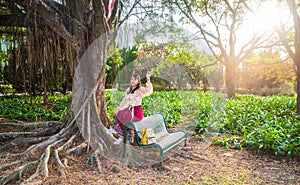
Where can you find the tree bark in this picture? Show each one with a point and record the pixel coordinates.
(230, 80)
(298, 87)
(294, 54)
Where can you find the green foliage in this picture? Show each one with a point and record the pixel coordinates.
(268, 123)
(113, 99)
(262, 123)
(116, 60)
(265, 123)
(211, 112)
(31, 109)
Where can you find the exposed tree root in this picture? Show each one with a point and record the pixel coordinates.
(94, 158)
(77, 150)
(66, 162)
(61, 166)
(64, 132)
(23, 142)
(14, 135)
(17, 173)
(19, 126)
(46, 157)
(17, 130)
(6, 166)
(39, 166)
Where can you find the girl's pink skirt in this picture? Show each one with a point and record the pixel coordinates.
(129, 114)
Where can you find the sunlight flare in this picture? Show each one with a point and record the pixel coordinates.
(266, 18)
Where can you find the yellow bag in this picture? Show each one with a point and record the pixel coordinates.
(148, 136)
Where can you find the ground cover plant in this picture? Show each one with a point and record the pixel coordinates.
(265, 125)
(261, 123)
(268, 123)
(33, 109)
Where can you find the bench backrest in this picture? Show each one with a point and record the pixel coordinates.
(156, 122)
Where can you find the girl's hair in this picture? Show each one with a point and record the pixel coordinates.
(132, 90)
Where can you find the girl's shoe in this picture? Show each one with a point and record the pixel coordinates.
(118, 141)
(111, 131)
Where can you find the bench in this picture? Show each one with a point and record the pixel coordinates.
(165, 140)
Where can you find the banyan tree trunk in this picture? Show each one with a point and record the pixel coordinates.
(87, 83)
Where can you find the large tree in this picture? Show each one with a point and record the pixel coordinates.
(75, 24)
(218, 23)
(87, 27)
(292, 42)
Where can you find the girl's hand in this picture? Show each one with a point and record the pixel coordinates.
(148, 75)
(116, 112)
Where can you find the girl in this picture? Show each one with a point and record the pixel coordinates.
(130, 108)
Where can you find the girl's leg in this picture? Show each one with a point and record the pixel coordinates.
(118, 127)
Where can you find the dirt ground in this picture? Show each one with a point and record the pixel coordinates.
(198, 163)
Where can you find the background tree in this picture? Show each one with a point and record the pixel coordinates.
(197, 64)
(219, 23)
(117, 59)
(173, 55)
(272, 74)
(292, 42)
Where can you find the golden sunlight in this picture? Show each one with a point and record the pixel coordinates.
(266, 18)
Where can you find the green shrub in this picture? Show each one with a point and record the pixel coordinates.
(32, 109)
(268, 123)
(264, 123)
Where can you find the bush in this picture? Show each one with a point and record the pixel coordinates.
(32, 109)
(269, 123)
(264, 123)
